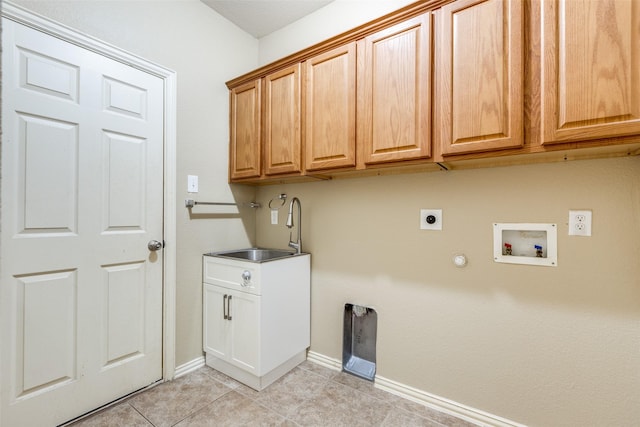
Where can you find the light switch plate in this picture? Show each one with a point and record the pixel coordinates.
(274, 217)
(192, 183)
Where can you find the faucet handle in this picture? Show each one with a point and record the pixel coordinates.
(294, 245)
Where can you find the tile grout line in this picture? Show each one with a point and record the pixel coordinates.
(392, 405)
(301, 397)
(287, 416)
(204, 406)
(141, 414)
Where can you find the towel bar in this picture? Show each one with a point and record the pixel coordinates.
(189, 203)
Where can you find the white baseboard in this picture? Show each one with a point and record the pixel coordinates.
(189, 367)
(441, 404)
(323, 360)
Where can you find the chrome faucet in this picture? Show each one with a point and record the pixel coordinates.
(297, 245)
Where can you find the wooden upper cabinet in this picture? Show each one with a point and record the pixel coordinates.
(443, 80)
(591, 69)
(245, 152)
(481, 82)
(282, 141)
(330, 103)
(394, 92)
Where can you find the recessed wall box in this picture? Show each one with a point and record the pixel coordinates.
(523, 243)
(359, 341)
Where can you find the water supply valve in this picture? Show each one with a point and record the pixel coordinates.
(538, 249)
(507, 249)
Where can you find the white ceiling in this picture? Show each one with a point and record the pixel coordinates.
(262, 17)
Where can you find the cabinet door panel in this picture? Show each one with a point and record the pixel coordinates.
(481, 78)
(330, 126)
(282, 121)
(214, 325)
(394, 91)
(245, 131)
(244, 350)
(591, 70)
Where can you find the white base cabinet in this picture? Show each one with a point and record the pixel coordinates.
(256, 330)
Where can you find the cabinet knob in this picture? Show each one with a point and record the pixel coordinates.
(246, 277)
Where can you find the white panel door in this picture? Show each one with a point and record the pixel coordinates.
(81, 176)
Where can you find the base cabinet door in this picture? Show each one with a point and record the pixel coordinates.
(215, 326)
(480, 80)
(591, 69)
(231, 326)
(244, 331)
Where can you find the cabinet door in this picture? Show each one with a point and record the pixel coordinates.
(215, 326)
(394, 92)
(245, 149)
(330, 102)
(481, 92)
(591, 69)
(244, 324)
(282, 121)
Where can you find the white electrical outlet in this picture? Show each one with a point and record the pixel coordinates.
(431, 219)
(274, 217)
(579, 223)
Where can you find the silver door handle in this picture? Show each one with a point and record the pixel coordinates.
(229, 307)
(154, 245)
(224, 307)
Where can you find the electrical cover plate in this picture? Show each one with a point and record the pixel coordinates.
(431, 219)
(580, 223)
(192, 183)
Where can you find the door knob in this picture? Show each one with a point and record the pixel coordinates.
(154, 245)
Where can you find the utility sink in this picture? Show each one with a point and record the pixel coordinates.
(256, 313)
(254, 254)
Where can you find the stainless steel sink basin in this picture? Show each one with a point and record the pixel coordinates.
(254, 254)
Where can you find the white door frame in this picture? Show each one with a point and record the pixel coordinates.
(45, 25)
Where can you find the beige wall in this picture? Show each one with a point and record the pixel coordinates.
(205, 50)
(335, 18)
(543, 346)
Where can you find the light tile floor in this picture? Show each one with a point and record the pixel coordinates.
(309, 395)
